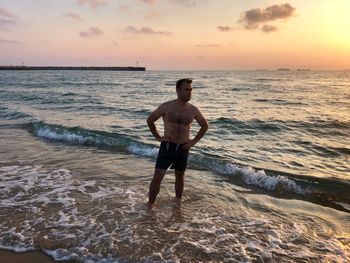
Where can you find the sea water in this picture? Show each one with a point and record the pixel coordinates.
(269, 182)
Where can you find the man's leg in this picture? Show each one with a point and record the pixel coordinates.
(155, 186)
(179, 185)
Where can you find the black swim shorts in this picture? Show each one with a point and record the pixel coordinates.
(172, 154)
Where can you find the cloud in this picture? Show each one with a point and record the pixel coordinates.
(6, 23)
(252, 18)
(7, 19)
(150, 1)
(93, 3)
(72, 15)
(209, 45)
(145, 30)
(152, 14)
(123, 7)
(269, 28)
(187, 3)
(92, 32)
(6, 13)
(226, 28)
(7, 41)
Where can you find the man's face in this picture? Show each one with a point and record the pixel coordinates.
(185, 91)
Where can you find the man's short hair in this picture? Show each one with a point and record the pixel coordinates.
(181, 81)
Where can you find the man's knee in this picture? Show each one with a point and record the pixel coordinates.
(158, 176)
(179, 174)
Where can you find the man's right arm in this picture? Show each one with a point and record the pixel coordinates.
(155, 115)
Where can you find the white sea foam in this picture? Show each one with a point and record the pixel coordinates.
(274, 183)
(48, 133)
(72, 137)
(45, 200)
(143, 151)
(249, 176)
(344, 205)
(258, 178)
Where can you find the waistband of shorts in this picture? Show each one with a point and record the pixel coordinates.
(172, 143)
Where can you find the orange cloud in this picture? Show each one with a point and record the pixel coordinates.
(145, 30)
(209, 45)
(92, 32)
(226, 28)
(269, 28)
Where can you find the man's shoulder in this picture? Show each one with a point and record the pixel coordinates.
(167, 103)
(192, 106)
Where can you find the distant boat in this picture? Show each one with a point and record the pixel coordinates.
(303, 69)
(283, 69)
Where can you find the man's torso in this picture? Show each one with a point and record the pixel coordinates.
(177, 121)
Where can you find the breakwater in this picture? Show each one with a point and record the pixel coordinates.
(71, 68)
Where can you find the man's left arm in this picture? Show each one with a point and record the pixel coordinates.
(198, 116)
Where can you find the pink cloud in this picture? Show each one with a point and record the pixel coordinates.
(92, 32)
(5, 24)
(72, 15)
(7, 41)
(145, 30)
(6, 13)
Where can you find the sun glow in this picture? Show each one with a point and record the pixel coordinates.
(335, 26)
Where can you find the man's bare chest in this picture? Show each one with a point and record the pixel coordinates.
(179, 117)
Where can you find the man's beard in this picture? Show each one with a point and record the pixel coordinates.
(186, 99)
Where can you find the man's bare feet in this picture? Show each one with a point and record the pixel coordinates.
(150, 206)
(177, 202)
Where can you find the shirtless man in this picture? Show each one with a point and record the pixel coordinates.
(177, 115)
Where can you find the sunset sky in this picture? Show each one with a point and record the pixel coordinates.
(176, 34)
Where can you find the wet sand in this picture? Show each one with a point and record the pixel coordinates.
(38, 256)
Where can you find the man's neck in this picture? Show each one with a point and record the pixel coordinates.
(181, 103)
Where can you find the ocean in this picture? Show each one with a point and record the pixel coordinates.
(269, 182)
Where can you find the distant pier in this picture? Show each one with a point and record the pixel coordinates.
(72, 68)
